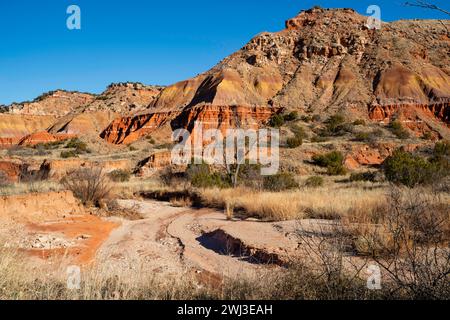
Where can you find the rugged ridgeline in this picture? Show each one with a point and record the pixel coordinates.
(64, 114)
(323, 62)
(54, 103)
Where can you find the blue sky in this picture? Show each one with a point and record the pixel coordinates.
(154, 42)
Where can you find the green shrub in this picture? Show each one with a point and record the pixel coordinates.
(378, 133)
(335, 123)
(294, 142)
(49, 145)
(306, 118)
(299, 135)
(201, 176)
(151, 140)
(335, 126)
(412, 170)
(276, 121)
(398, 130)
(68, 154)
(333, 161)
(314, 182)
(292, 116)
(299, 132)
(441, 156)
(363, 176)
(442, 149)
(79, 146)
(337, 170)
(280, 182)
(120, 175)
(427, 136)
(359, 122)
(331, 158)
(250, 176)
(318, 139)
(362, 136)
(75, 143)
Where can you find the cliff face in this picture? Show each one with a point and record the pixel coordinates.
(323, 62)
(129, 129)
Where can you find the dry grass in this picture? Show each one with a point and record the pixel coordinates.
(329, 202)
(89, 185)
(129, 189)
(423, 214)
(181, 202)
(20, 281)
(29, 187)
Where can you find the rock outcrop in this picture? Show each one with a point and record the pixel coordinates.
(365, 155)
(129, 129)
(13, 127)
(153, 163)
(43, 137)
(124, 98)
(10, 170)
(86, 123)
(54, 103)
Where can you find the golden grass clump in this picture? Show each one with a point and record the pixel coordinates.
(321, 203)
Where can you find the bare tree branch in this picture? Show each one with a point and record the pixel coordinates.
(426, 5)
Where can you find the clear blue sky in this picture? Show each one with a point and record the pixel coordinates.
(154, 42)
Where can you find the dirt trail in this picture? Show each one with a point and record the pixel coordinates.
(168, 240)
(172, 240)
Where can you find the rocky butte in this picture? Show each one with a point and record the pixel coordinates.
(324, 61)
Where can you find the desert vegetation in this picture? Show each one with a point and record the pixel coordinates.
(362, 179)
(406, 234)
(91, 186)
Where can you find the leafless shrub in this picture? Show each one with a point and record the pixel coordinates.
(112, 208)
(4, 181)
(31, 176)
(409, 238)
(89, 185)
(170, 177)
(419, 257)
(181, 202)
(326, 252)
